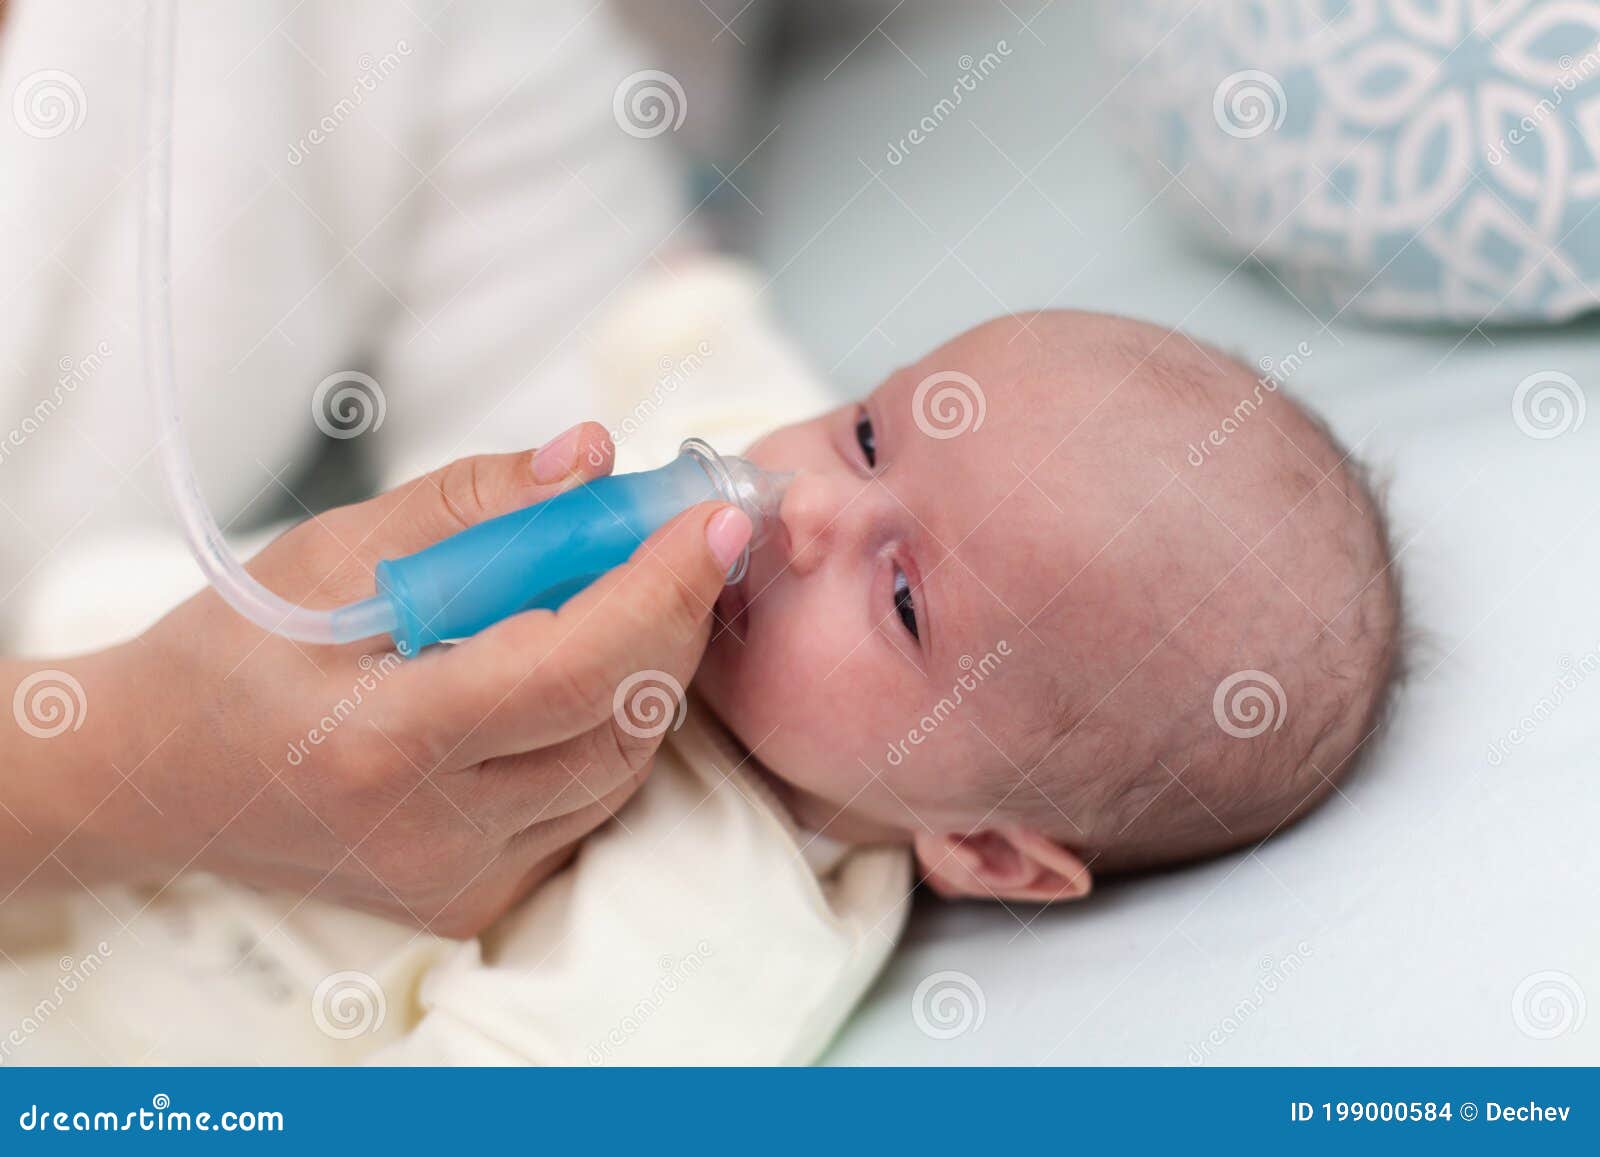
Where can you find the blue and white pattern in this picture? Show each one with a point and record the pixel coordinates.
(1397, 159)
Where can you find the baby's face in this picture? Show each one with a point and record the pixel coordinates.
(1003, 572)
(908, 625)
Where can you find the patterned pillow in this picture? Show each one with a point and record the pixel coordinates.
(1416, 159)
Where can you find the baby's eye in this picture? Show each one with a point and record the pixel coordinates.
(866, 439)
(904, 605)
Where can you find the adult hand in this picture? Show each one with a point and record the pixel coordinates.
(438, 789)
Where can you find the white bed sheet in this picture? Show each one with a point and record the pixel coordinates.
(1441, 909)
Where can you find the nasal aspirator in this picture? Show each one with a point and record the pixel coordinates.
(544, 554)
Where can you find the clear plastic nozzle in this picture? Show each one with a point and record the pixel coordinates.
(757, 492)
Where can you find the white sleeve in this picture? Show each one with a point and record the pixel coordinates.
(532, 206)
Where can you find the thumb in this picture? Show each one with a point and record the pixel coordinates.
(471, 490)
(538, 679)
(667, 589)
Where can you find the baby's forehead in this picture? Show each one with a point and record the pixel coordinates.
(1013, 439)
(1025, 385)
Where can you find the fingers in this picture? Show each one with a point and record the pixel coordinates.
(515, 795)
(541, 787)
(471, 490)
(538, 840)
(551, 836)
(526, 861)
(539, 679)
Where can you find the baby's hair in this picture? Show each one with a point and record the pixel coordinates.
(1284, 785)
(1204, 792)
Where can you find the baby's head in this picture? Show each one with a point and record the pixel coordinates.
(1010, 620)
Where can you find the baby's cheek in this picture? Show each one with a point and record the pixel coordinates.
(791, 679)
(728, 682)
(845, 691)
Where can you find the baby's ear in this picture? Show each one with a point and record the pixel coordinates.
(1006, 863)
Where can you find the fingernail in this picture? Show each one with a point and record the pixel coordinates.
(556, 458)
(726, 535)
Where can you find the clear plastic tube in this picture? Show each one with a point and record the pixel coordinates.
(223, 571)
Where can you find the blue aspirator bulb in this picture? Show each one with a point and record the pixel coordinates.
(544, 554)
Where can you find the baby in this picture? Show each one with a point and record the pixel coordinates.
(1009, 623)
(1010, 636)
(1007, 638)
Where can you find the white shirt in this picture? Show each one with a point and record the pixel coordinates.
(437, 195)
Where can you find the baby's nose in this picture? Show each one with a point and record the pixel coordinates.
(809, 513)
